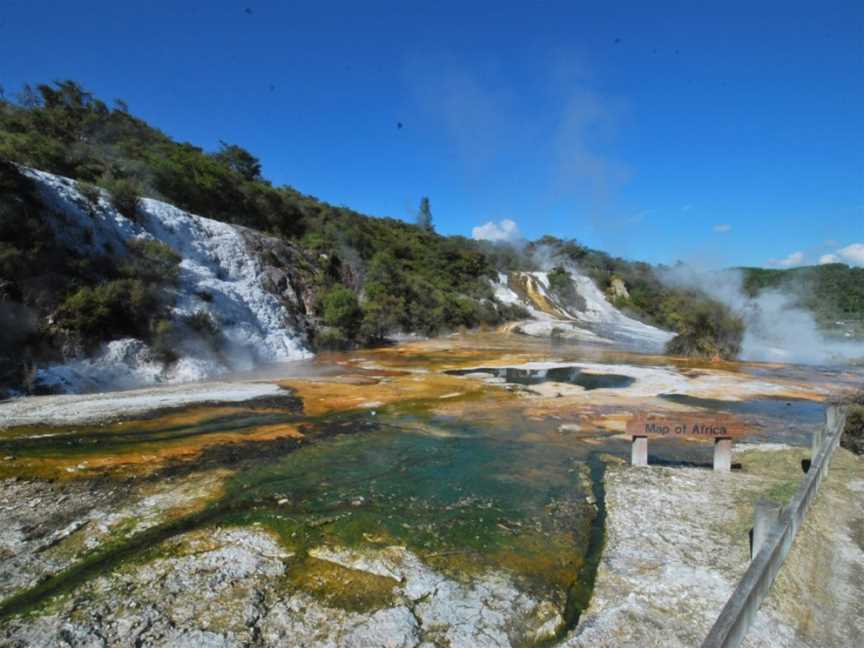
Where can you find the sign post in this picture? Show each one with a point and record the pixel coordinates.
(722, 428)
(639, 451)
(722, 454)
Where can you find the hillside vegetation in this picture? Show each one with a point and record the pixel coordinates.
(371, 276)
(406, 276)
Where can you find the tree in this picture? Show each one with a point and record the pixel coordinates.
(239, 160)
(342, 311)
(424, 216)
(382, 312)
(386, 271)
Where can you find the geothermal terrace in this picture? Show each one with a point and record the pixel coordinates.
(471, 490)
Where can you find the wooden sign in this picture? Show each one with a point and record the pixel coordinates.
(695, 426)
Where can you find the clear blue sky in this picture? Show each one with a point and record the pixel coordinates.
(635, 127)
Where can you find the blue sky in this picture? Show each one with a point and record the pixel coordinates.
(717, 133)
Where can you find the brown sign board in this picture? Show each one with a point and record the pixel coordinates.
(694, 426)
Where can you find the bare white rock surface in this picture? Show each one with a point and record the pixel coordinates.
(67, 409)
(218, 275)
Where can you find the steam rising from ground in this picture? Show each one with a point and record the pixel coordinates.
(777, 328)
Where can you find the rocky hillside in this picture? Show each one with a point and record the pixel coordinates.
(95, 298)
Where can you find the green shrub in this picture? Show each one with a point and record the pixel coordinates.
(164, 341)
(706, 329)
(201, 322)
(331, 339)
(853, 434)
(124, 194)
(110, 310)
(205, 327)
(90, 192)
(151, 260)
(341, 310)
(561, 286)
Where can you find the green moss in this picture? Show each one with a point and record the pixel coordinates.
(338, 586)
(783, 491)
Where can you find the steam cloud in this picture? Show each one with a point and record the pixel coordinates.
(777, 329)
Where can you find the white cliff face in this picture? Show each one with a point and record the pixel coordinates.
(218, 275)
(595, 321)
(217, 262)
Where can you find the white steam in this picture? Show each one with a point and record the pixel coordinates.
(777, 329)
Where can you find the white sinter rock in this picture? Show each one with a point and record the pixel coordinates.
(595, 321)
(218, 275)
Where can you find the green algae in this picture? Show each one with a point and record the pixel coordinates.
(341, 587)
(456, 492)
(82, 441)
(582, 587)
(464, 498)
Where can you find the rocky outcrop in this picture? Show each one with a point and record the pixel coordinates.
(595, 320)
(249, 291)
(287, 272)
(617, 290)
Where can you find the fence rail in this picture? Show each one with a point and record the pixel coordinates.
(737, 615)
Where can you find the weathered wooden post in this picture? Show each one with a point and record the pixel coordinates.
(639, 451)
(816, 442)
(722, 454)
(835, 418)
(765, 516)
(835, 422)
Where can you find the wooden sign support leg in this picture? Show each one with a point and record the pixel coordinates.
(639, 451)
(723, 454)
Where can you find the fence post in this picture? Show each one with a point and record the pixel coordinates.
(816, 441)
(765, 516)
